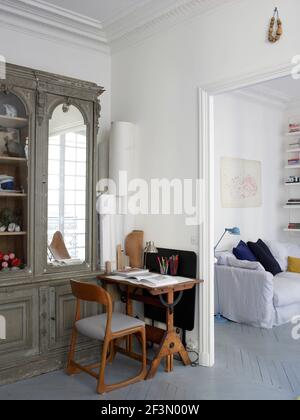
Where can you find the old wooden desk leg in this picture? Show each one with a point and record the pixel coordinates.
(171, 344)
(170, 328)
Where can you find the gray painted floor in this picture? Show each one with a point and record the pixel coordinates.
(251, 364)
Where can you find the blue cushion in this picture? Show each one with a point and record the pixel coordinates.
(265, 257)
(243, 252)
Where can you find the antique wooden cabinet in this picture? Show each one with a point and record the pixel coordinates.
(48, 219)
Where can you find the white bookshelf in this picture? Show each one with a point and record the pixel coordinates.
(293, 151)
(293, 208)
(292, 167)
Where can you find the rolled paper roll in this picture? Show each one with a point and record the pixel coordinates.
(108, 268)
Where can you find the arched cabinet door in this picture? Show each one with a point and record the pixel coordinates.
(17, 150)
(65, 202)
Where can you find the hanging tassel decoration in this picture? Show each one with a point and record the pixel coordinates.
(275, 37)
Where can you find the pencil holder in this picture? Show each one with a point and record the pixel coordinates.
(163, 265)
(174, 264)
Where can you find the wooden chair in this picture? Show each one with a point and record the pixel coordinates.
(58, 247)
(106, 328)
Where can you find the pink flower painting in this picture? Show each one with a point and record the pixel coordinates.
(241, 183)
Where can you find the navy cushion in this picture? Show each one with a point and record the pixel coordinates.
(265, 257)
(264, 246)
(243, 252)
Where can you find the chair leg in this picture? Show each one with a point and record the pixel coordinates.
(112, 353)
(101, 388)
(71, 370)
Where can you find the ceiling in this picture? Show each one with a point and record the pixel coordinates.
(283, 91)
(101, 10)
(286, 86)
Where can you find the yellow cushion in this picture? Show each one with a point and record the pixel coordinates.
(294, 265)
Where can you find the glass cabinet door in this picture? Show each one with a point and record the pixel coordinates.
(66, 170)
(67, 187)
(14, 187)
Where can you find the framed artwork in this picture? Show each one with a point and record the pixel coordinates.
(241, 183)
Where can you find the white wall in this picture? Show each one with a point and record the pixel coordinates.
(66, 59)
(249, 129)
(154, 84)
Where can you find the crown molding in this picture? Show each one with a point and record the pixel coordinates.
(123, 14)
(136, 23)
(39, 18)
(151, 17)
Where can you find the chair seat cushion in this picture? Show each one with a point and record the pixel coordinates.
(95, 326)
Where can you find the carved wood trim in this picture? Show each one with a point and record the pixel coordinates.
(6, 88)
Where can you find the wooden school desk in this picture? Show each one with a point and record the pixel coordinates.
(162, 297)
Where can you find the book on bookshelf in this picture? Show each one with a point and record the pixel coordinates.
(294, 226)
(294, 128)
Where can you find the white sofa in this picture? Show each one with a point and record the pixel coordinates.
(256, 297)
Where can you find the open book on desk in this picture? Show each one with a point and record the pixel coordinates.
(150, 279)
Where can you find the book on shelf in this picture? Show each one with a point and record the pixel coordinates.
(294, 128)
(294, 225)
(293, 161)
(292, 182)
(293, 201)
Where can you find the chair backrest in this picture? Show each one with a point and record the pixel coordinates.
(58, 247)
(88, 292)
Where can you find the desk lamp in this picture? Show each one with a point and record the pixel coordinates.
(150, 249)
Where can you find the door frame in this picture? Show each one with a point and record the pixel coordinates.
(206, 332)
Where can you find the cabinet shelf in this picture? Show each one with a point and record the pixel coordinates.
(291, 230)
(13, 195)
(11, 160)
(9, 122)
(2, 234)
(292, 207)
